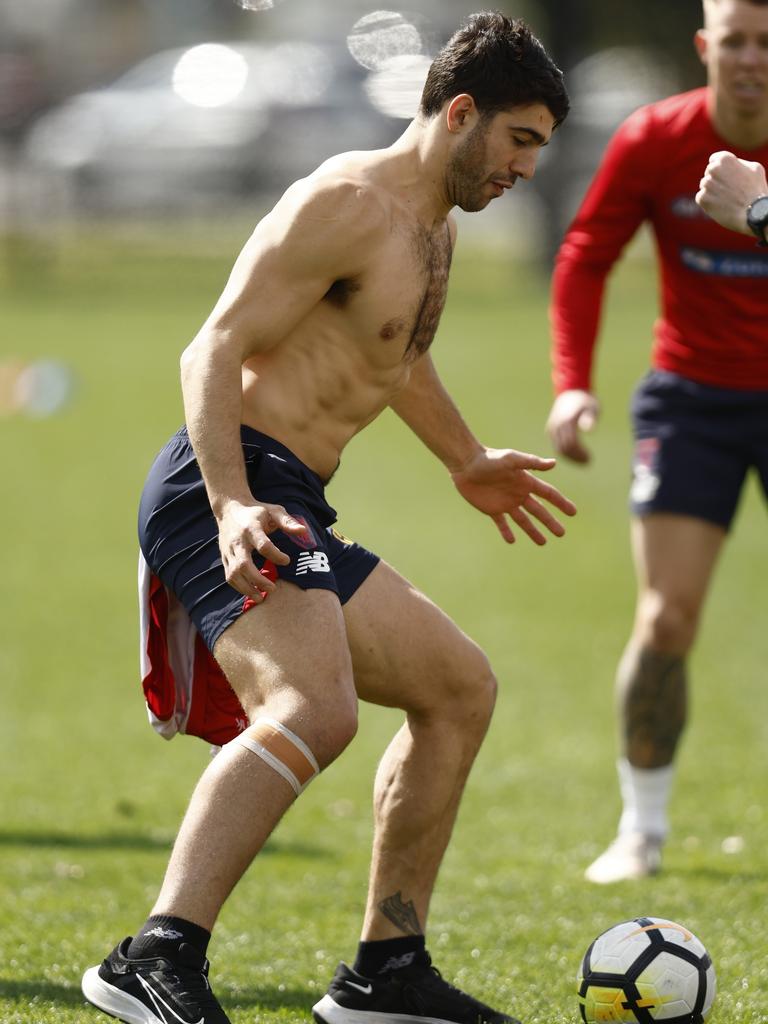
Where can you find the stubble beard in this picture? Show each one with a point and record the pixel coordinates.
(465, 174)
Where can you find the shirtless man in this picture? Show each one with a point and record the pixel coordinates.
(326, 320)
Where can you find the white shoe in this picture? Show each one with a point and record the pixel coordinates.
(630, 855)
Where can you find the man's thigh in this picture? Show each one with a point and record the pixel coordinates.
(675, 556)
(406, 652)
(290, 648)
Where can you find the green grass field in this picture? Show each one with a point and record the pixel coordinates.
(91, 797)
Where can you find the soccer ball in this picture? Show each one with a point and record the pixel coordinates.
(646, 970)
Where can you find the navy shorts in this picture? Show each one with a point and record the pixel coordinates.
(694, 445)
(178, 533)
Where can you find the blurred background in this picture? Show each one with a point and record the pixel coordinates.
(177, 123)
(160, 110)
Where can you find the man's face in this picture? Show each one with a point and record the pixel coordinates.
(733, 46)
(495, 152)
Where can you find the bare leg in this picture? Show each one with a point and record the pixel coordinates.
(674, 560)
(417, 659)
(652, 702)
(240, 799)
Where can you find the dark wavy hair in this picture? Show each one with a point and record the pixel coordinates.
(500, 64)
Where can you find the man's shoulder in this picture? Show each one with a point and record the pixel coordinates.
(342, 188)
(671, 116)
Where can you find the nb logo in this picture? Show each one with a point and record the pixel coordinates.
(165, 933)
(312, 561)
(396, 962)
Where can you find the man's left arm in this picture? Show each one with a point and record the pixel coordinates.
(497, 481)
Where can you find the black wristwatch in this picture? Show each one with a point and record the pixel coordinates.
(757, 219)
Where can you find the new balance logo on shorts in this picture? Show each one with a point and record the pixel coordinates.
(312, 561)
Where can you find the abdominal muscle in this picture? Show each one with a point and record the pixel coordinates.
(314, 398)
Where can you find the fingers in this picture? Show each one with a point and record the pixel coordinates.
(545, 517)
(576, 452)
(525, 460)
(524, 522)
(504, 529)
(287, 523)
(573, 411)
(531, 507)
(567, 440)
(249, 581)
(587, 420)
(267, 549)
(243, 574)
(246, 533)
(552, 495)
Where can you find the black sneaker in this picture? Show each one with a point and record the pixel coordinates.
(417, 993)
(155, 990)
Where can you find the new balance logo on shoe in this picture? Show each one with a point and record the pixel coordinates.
(165, 933)
(312, 561)
(365, 989)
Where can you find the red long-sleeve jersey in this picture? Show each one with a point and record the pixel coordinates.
(713, 326)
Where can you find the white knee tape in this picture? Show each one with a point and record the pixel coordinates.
(282, 750)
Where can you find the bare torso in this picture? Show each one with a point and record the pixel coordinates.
(342, 363)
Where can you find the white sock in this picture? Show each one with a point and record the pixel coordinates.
(645, 795)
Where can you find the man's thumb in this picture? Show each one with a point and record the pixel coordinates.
(587, 420)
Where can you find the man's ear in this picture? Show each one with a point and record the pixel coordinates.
(460, 113)
(700, 42)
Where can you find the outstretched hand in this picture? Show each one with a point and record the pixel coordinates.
(498, 482)
(244, 529)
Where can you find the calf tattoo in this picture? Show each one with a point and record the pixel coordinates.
(401, 914)
(653, 692)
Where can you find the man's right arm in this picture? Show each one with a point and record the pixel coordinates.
(613, 208)
(312, 237)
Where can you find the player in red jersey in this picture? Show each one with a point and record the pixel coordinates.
(700, 413)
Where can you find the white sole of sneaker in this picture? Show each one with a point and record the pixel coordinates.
(328, 1011)
(114, 1002)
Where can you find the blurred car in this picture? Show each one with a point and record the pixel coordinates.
(217, 121)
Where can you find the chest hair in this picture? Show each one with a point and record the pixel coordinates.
(433, 254)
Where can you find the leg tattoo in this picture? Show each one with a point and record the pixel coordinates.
(652, 690)
(402, 915)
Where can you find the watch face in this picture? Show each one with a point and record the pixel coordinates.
(757, 216)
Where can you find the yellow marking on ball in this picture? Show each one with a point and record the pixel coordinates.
(664, 924)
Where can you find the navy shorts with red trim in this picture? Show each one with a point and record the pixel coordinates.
(694, 445)
(178, 533)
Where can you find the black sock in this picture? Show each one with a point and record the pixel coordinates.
(162, 935)
(385, 955)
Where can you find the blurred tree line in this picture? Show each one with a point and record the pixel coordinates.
(574, 28)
